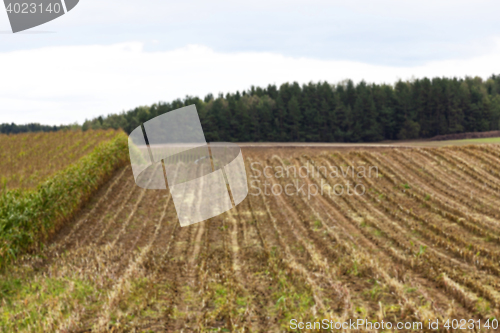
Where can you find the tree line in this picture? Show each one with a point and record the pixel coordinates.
(34, 127)
(342, 112)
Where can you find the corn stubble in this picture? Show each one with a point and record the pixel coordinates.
(421, 244)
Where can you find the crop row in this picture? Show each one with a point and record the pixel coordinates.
(28, 218)
(28, 159)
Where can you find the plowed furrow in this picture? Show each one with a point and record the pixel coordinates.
(439, 261)
(276, 240)
(461, 177)
(473, 249)
(445, 187)
(123, 285)
(372, 269)
(458, 216)
(97, 209)
(458, 160)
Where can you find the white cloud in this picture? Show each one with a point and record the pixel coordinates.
(382, 32)
(65, 84)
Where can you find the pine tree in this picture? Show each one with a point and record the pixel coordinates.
(295, 120)
(281, 115)
(341, 121)
(326, 117)
(265, 109)
(402, 105)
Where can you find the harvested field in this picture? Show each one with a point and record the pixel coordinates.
(417, 238)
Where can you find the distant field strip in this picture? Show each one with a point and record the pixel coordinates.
(421, 242)
(28, 159)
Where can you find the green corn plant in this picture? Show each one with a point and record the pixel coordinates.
(28, 218)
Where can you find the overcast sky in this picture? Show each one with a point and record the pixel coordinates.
(108, 56)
